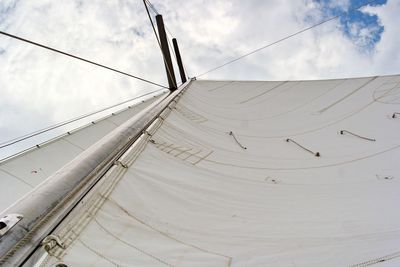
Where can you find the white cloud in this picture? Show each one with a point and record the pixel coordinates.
(324, 52)
(40, 87)
(45, 87)
(386, 59)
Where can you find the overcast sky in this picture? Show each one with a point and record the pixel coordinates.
(39, 88)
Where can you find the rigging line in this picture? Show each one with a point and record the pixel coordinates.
(283, 39)
(237, 141)
(317, 154)
(152, 7)
(79, 58)
(58, 125)
(159, 43)
(356, 135)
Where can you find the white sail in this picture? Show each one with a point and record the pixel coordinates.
(232, 177)
(23, 172)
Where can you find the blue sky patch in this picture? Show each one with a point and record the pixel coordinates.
(363, 29)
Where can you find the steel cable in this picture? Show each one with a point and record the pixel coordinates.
(79, 58)
(58, 125)
(283, 39)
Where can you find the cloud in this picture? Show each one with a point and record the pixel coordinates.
(386, 58)
(42, 88)
(324, 52)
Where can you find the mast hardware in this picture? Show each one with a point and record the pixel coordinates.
(8, 222)
(51, 241)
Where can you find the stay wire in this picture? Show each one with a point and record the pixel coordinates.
(58, 125)
(284, 38)
(79, 58)
(159, 43)
(155, 11)
(153, 8)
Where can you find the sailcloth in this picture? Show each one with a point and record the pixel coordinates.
(24, 171)
(246, 173)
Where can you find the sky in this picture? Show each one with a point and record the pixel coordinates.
(39, 88)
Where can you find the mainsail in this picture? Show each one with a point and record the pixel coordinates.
(24, 171)
(243, 173)
(215, 173)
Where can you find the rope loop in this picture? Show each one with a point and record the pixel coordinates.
(317, 154)
(342, 132)
(237, 141)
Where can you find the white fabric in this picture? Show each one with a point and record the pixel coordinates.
(195, 197)
(18, 175)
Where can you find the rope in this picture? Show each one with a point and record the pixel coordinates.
(394, 114)
(283, 39)
(159, 44)
(317, 154)
(153, 8)
(378, 260)
(80, 58)
(359, 136)
(237, 141)
(58, 125)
